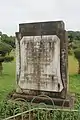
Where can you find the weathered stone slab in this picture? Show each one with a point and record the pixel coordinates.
(40, 63)
(41, 28)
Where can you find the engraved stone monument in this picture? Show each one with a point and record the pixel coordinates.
(41, 60)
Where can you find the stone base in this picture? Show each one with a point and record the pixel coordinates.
(68, 102)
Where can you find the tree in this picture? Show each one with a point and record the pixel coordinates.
(9, 40)
(5, 50)
(77, 55)
(70, 36)
(77, 37)
(6, 45)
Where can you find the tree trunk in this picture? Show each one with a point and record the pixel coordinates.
(79, 68)
(1, 68)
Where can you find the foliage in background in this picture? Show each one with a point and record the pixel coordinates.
(6, 47)
(8, 39)
(73, 41)
(74, 45)
(77, 55)
(74, 35)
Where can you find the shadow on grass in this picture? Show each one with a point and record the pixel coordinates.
(4, 74)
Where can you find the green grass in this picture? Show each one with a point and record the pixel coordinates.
(73, 65)
(74, 78)
(74, 83)
(7, 79)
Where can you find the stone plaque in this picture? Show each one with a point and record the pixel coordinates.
(40, 63)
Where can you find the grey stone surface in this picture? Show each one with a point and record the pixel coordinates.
(42, 69)
(40, 63)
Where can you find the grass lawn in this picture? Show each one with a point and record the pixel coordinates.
(74, 79)
(7, 80)
(73, 65)
(74, 83)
